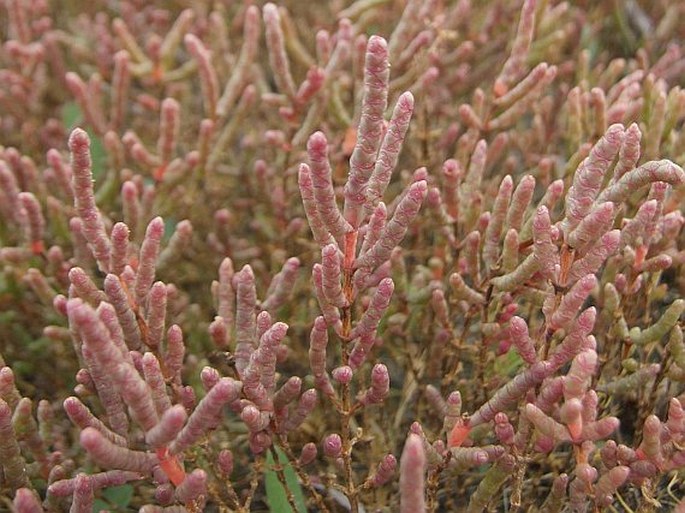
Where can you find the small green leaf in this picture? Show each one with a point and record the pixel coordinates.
(169, 227)
(508, 364)
(99, 505)
(275, 493)
(71, 118)
(119, 495)
(98, 155)
(70, 114)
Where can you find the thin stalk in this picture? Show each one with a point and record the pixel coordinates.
(278, 467)
(346, 394)
(304, 477)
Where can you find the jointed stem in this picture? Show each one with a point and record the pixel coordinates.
(304, 477)
(346, 410)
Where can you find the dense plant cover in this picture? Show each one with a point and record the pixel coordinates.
(386, 255)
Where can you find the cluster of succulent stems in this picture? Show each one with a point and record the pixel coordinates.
(272, 271)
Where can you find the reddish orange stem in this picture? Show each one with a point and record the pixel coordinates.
(171, 466)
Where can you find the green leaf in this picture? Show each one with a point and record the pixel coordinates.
(169, 227)
(97, 155)
(119, 495)
(275, 493)
(99, 505)
(71, 114)
(71, 118)
(508, 364)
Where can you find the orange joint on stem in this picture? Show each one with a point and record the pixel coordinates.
(158, 173)
(171, 466)
(640, 255)
(157, 73)
(350, 249)
(575, 429)
(459, 433)
(37, 247)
